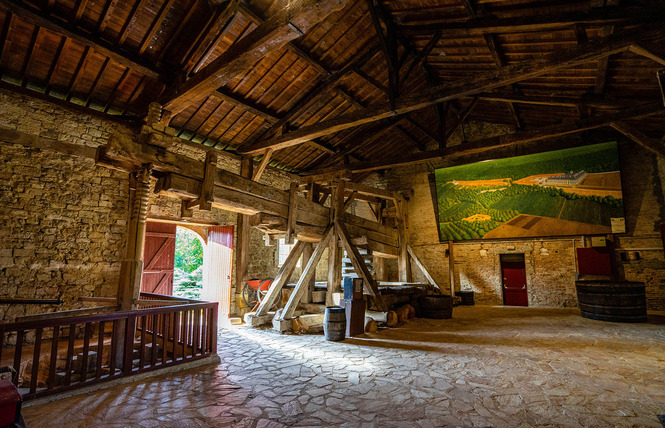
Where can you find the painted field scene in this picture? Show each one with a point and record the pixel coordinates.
(573, 191)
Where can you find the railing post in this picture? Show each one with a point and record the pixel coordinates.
(213, 336)
(128, 345)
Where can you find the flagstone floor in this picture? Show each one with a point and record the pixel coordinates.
(488, 366)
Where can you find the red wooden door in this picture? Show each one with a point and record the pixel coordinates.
(158, 258)
(514, 283)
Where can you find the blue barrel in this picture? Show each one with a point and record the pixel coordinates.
(334, 323)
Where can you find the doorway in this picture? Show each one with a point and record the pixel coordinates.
(513, 274)
(217, 268)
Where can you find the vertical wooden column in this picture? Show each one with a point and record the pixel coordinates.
(131, 269)
(379, 262)
(403, 263)
(242, 244)
(334, 250)
(451, 267)
(308, 250)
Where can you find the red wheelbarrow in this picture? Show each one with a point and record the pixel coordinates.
(255, 290)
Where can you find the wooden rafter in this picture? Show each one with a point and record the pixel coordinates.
(155, 26)
(516, 138)
(541, 22)
(651, 144)
(287, 24)
(477, 84)
(212, 36)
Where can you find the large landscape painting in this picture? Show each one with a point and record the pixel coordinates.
(565, 192)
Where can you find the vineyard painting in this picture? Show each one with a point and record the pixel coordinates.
(573, 191)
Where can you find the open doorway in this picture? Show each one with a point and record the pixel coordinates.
(188, 264)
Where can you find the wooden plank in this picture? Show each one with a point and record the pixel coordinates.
(403, 265)
(423, 269)
(503, 76)
(651, 50)
(308, 273)
(29, 140)
(359, 265)
(44, 20)
(349, 200)
(253, 108)
(71, 313)
(371, 191)
(649, 143)
(283, 26)
(540, 22)
(281, 278)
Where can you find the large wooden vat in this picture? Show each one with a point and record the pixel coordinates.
(618, 301)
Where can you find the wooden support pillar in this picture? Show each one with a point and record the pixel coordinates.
(131, 269)
(379, 262)
(334, 251)
(451, 267)
(403, 264)
(242, 244)
(307, 251)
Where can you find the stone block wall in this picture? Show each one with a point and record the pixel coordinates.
(550, 263)
(63, 220)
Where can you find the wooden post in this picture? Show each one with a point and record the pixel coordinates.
(293, 213)
(451, 267)
(334, 251)
(282, 277)
(403, 264)
(306, 256)
(242, 244)
(379, 262)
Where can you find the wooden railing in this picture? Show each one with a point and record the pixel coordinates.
(64, 353)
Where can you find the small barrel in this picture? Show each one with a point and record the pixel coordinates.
(436, 307)
(467, 297)
(334, 323)
(617, 301)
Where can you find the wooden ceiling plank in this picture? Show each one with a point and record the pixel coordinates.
(88, 99)
(287, 24)
(134, 95)
(40, 19)
(205, 120)
(80, 67)
(542, 22)
(105, 16)
(6, 32)
(130, 21)
(54, 70)
(79, 9)
(184, 22)
(189, 119)
(476, 84)
(155, 26)
(259, 84)
(516, 138)
(30, 55)
(286, 89)
(213, 38)
(114, 92)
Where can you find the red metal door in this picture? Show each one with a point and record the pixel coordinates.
(514, 283)
(158, 258)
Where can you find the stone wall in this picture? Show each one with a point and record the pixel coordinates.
(550, 263)
(63, 219)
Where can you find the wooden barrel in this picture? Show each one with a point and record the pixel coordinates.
(618, 301)
(334, 323)
(467, 297)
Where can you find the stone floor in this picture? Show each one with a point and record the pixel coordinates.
(488, 366)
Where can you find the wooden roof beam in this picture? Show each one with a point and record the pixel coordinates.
(503, 76)
(489, 25)
(289, 23)
(516, 138)
(651, 144)
(44, 20)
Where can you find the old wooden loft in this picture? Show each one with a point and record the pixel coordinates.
(298, 141)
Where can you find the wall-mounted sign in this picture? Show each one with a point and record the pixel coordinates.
(618, 224)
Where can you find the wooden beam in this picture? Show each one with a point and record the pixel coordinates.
(516, 138)
(205, 201)
(44, 20)
(359, 266)
(451, 267)
(651, 50)
(307, 274)
(281, 278)
(265, 160)
(422, 55)
(531, 23)
(371, 191)
(474, 85)
(423, 269)
(651, 144)
(283, 26)
(349, 200)
(256, 110)
(154, 26)
(293, 213)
